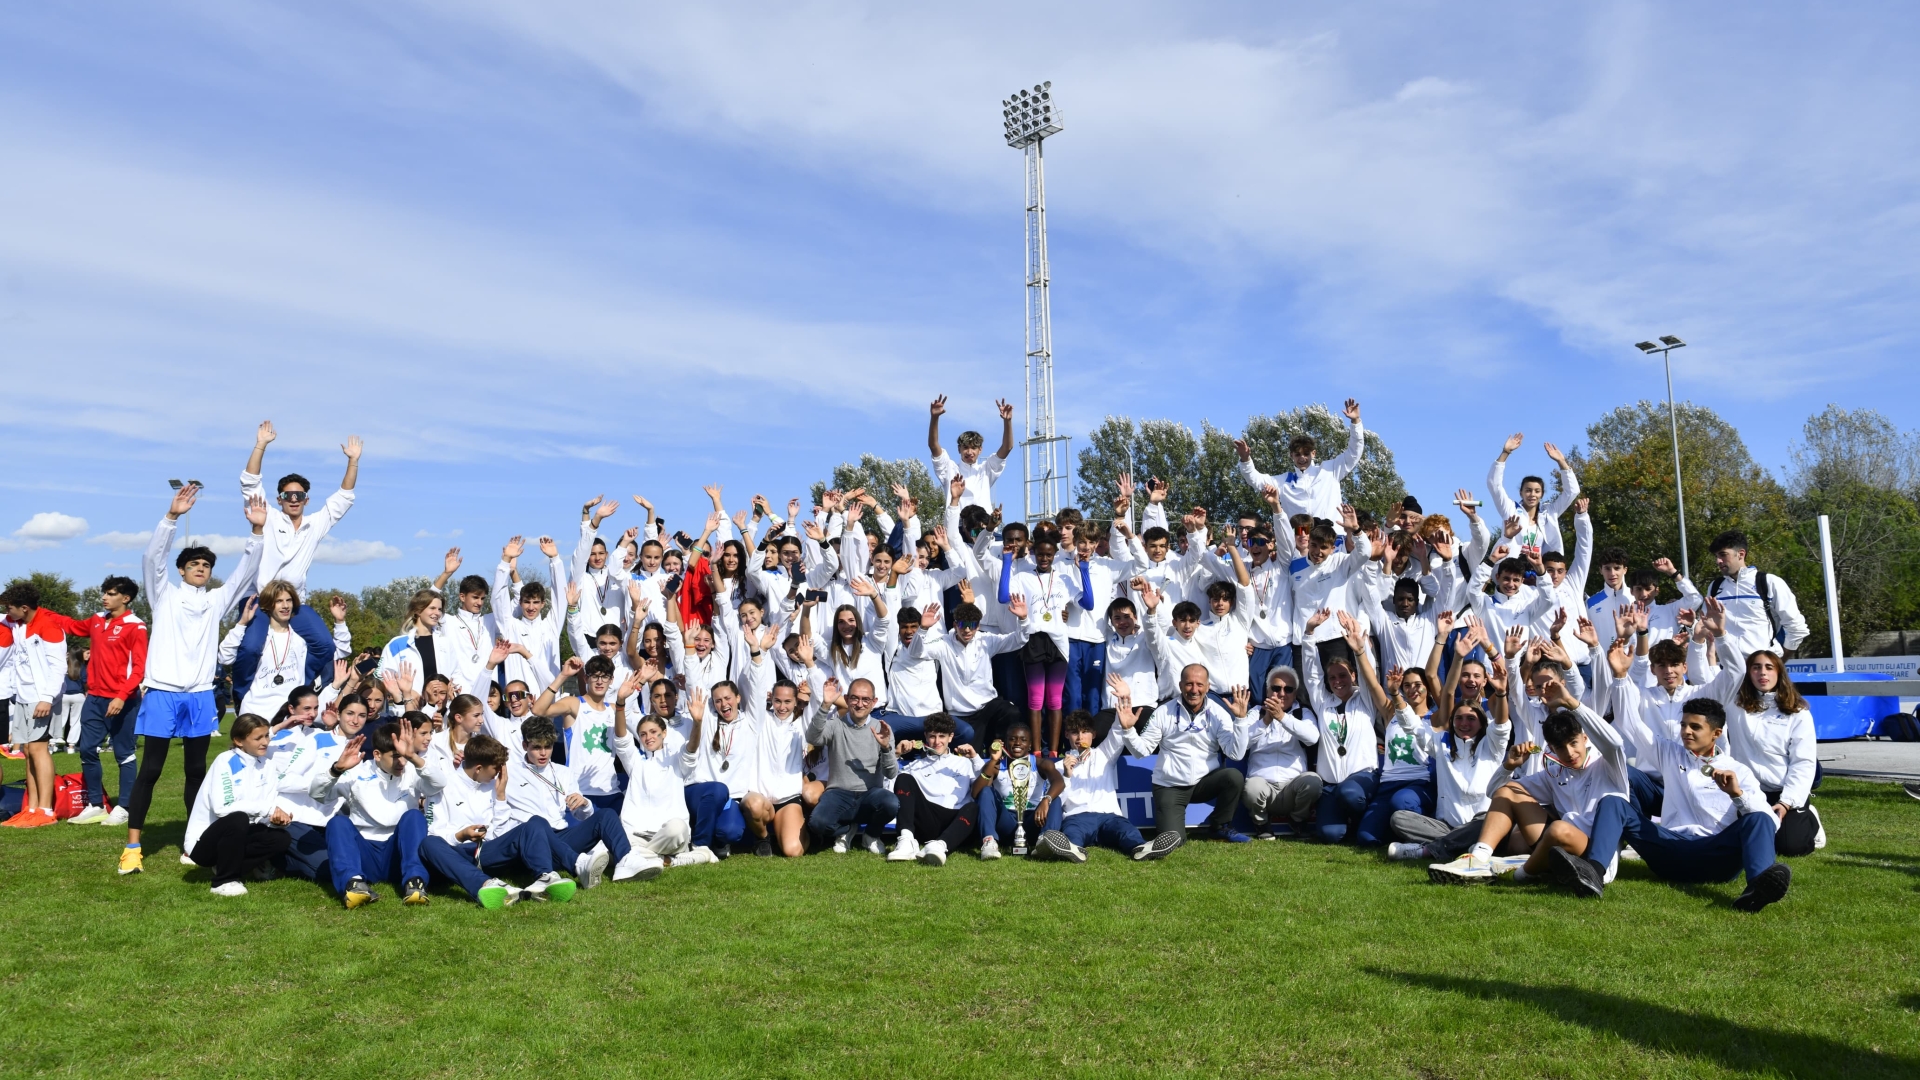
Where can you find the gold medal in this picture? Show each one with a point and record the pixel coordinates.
(1046, 616)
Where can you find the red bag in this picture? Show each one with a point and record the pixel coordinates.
(69, 796)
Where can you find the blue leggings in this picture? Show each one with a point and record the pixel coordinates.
(1002, 820)
(1365, 797)
(396, 859)
(714, 815)
(1086, 675)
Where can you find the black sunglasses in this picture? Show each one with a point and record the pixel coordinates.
(293, 496)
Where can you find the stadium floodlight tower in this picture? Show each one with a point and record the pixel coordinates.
(1031, 116)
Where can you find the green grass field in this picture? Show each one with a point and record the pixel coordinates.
(1266, 959)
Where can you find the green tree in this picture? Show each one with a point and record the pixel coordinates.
(879, 476)
(56, 593)
(1626, 470)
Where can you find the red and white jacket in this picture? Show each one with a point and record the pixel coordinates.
(119, 659)
(33, 657)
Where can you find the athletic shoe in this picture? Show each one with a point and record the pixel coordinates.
(590, 867)
(934, 854)
(722, 852)
(496, 894)
(1576, 872)
(1627, 854)
(1766, 889)
(906, 850)
(551, 886)
(989, 848)
(130, 861)
(695, 857)
(1053, 846)
(763, 849)
(264, 872)
(117, 817)
(12, 751)
(1265, 834)
(1819, 829)
(359, 894)
(414, 892)
(1506, 864)
(1231, 835)
(231, 888)
(37, 818)
(1161, 846)
(641, 864)
(872, 844)
(1406, 851)
(1466, 868)
(1912, 789)
(16, 820)
(88, 816)
(839, 845)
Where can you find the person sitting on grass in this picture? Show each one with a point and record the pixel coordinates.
(994, 791)
(1281, 791)
(1089, 799)
(461, 814)
(1468, 754)
(377, 832)
(937, 796)
(1587, 763)
(1714, 818)
(1196, 737)
(654, 812)
(861, 767)
(237, 824)
(538, 786)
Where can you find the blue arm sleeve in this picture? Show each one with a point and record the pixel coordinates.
(1086, 588)
(897, 539)
(1006, 576)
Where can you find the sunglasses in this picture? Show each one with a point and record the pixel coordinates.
(518, 695)
(293, 496)
(1282, 688)
(967, 624)
(1257, 541)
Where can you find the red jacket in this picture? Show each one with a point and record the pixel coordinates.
(119, 660)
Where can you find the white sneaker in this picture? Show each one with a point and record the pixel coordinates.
(590, 867)
(1511, 864)
(1466, 868)
(231, 888)
(187, 860)
(1626, 852)
(934, 854)
(118, 816)
(840, 845)
(88, 816)
(639, 865)
(873, 844)
(1820, 829)
(990, 847)
(1406, 851)
(538, 890)
(695, 857)
(906, 850)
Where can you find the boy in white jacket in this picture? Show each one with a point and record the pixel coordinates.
(237, 823)
(379, 828)
(459, 818)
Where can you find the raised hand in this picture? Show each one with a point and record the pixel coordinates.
(1352, 409)
(1349, 518)
(351, 756)
(861, 587)
(573, 595)
(740, 520)
(183, 500)
(352, 447)
(604, 511)
(884, 735)
(1239, 698)
(939, 406)
(1514, 440)
(548, 548)
(1005, 407)
(1443, 623)
(1516, 639)
(1559, 623)
(1553, 452)
(1518, 753)
(452, 563)
(264, 434)
(256, 511)
(586, 508)
(1314, 620)
(1156, 490)
(1512, 528)
(1241, 450)
(1018, 605)
(1586, 634)
(511, 553)
(249, 609)
(1271, 493)
(1463, 499)
(956, 489)
(1580, 504)
(697, 704)
(930, 615)
(1665, 566)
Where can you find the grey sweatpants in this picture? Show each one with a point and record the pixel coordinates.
(1293, 801)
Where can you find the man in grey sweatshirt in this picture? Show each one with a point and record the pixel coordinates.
(861, 767)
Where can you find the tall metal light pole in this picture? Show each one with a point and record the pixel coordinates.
(1030, 117)
(1667, 344)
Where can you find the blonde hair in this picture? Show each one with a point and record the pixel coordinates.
(421, 601)
(271, 592)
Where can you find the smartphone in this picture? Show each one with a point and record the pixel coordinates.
(367, 665)
(816, 595)
(672, 584)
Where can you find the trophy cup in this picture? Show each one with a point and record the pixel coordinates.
(1020, 779)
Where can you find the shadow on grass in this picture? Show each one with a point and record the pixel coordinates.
(1911, 1002)
(1876, 860)
(1673, 1031)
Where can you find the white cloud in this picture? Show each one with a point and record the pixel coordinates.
(423, 535)
(220, 545)
(48, 525)
(353, 552)
(122, 541)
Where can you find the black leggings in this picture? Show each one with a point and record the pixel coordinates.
(233, 845)
(153, 761)
(930, 821)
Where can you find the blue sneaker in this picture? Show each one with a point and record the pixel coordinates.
(1231, 835)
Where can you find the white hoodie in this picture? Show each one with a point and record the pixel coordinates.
(236, 783)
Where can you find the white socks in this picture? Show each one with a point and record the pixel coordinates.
(1481, 851)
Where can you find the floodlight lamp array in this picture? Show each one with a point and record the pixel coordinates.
(1030, 116)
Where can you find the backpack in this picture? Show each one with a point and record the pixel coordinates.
(1760, 587)
(1900, 727)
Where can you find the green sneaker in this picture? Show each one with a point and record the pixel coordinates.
(561, 891)
(494, 894)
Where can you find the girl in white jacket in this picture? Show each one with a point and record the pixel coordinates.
(237, 823)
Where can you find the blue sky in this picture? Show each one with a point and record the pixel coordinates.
(535, 250)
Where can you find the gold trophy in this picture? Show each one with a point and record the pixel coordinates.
(1020, 779)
